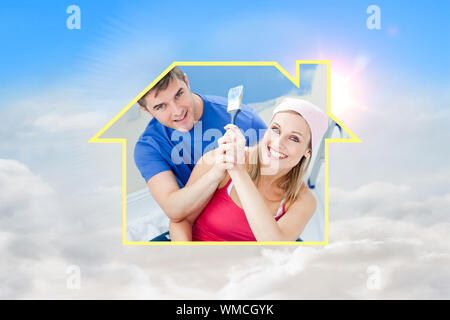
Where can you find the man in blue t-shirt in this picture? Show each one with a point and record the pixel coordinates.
(185, 126)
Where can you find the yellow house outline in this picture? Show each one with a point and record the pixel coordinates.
(296, 80)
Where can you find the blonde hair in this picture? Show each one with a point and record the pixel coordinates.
(291, 183)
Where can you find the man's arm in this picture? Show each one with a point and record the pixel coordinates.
(180, 231)
(179, 203)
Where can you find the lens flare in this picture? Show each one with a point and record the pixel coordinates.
(345, 95)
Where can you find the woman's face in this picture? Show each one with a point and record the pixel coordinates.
(285, 142)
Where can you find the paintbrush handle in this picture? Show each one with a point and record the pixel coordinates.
(233, 114)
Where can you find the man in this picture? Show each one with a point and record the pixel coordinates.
(181, 131)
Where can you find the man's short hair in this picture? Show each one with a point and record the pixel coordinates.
(163, 84)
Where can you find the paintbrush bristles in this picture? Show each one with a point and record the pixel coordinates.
(235, 98)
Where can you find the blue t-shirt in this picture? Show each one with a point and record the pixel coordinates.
(160, 148)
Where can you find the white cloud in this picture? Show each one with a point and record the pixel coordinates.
(398, 226)
(391, 201)
(379, 223)
(412, 261)
(24, 198)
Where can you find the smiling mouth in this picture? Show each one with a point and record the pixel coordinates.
(275, 154)
(182, 118)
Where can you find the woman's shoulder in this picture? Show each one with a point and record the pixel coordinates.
(306, 201)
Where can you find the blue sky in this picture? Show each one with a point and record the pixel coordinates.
(39, 51)
(260, 83)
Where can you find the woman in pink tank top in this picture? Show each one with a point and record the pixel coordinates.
(263, 196)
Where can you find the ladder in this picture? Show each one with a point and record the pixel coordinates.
(320, 158)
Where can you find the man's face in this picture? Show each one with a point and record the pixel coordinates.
(174, 106)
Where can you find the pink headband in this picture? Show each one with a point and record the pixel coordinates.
(316, 119)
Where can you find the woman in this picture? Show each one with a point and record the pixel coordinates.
(263, 195)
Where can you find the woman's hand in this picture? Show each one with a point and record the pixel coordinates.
(231, 149)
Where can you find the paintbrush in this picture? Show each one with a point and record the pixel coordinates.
(235, 102)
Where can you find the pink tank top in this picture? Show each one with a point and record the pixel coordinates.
(224, 220)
